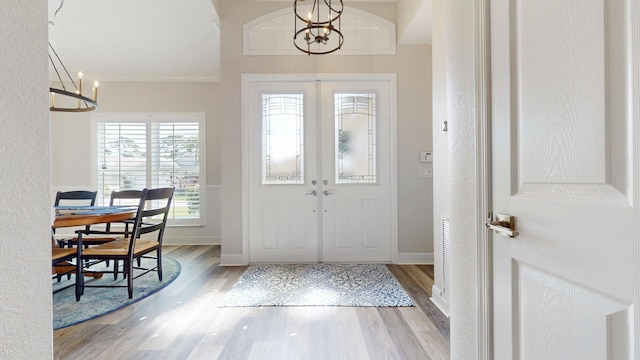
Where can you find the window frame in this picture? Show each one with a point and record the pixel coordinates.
(150, 118)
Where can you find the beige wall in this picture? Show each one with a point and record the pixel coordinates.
(25, 214)
(71, 138)
(413, 67)
(71, 133)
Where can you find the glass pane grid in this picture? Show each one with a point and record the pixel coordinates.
(355, 138)
(121, 158)
(282, 139)
(151, 154)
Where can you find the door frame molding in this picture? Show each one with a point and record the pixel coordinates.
(247, 78)
(484, 181)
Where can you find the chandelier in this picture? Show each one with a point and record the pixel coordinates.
(317, 27)
(83, 103)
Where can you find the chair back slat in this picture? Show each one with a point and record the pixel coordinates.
(120, 198)
(83, 197)
(154, 212)
(150, 228)
(77, 195)
(153, 202)
(117, 197)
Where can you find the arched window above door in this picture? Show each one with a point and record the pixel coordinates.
(364, 34)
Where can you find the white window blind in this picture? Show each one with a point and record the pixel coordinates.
(134, 152)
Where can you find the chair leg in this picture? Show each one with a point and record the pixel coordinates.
(115, 269)
(159, 259)
(79, 279)
(129, 272)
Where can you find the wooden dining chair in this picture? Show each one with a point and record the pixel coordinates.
(66, 261)
(94, 236)
(144, 238)
(72, 198)
(68, 198)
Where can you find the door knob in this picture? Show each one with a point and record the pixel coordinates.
(312, 193)
(327, 193)
(503, 225)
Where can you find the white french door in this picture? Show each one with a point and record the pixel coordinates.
(319, 171)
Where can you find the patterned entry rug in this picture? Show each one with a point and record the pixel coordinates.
(317, 285)
(99, 301)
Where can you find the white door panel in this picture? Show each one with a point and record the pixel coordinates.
(563, 166)
(356, 223)
(282, 216)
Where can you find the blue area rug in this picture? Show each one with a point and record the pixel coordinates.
(317, 285)
(99, 301)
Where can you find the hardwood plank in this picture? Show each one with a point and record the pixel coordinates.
(183, 321)
(375, 332)
(406, 342)
(436, 344)
(421, 298)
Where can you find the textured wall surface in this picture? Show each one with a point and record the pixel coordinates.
(462, 149)
(25, 215)
(441, 181)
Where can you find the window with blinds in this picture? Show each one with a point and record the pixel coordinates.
(138, 151)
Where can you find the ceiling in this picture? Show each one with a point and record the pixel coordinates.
(159, 40)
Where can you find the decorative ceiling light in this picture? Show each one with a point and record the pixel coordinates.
(83, 103)
(315, 26)
(76, 94)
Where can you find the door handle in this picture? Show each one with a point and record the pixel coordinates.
(503, 225)
(312, 193)
(327, 193)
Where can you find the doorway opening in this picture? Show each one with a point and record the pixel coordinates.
(319, 174)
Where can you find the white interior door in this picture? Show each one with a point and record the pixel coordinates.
(565, 147)
(319, 171)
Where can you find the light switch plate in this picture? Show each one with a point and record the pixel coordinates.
(426, 156)
(425, 173)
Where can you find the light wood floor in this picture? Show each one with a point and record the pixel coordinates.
(182, 321)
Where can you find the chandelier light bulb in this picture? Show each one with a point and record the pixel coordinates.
(319, 32)
(95, 90)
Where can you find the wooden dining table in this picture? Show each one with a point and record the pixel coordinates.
(72, 216)
(69, 216)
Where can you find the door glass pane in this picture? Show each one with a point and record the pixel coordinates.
(282, 139)
(355, 138)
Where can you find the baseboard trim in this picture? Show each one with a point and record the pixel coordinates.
(438, 301)
(415, 259)
(232, 260)
(191, 240)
